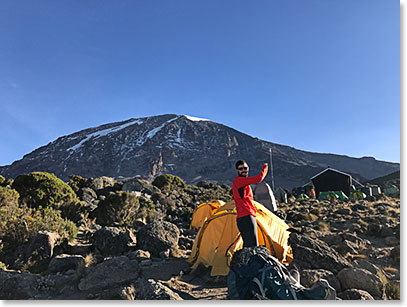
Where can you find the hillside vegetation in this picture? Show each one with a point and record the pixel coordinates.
(99, 238)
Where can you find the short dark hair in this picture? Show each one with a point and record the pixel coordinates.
(240, 162)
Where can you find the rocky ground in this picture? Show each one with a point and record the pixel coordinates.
(355, 245)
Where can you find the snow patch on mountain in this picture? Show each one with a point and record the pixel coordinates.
(141, 140)
(104, 132)
(196, 119)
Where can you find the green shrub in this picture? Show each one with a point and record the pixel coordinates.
(42, 189)
(2, 180)
(8, 197)
(73, 210)
(118, 208)
(147, 210)
(168, 182)
(19, 224)
(77, 183)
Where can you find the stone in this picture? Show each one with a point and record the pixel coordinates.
(395, 255)
(138, 185)
(146, 262)
(396, 230)
(101, 183)
(64, 262)
(113, 241)
(332, 239)
(38, 251)
(386, 232)
(137, 225)
(374, 229)
(111, 272)
(346, 247)
(364, 264)
(359, 207)
(165, 254)
(158, 236)
(391, 241)
(125, 292)
(343, 211)
(89, 198)
(149, 289)
(309, 277)
(316, 254)
(185, 242)
(356, 294)
(18, 286)
(139, 255)
(88, 195)
(355, 228)
(355, 278)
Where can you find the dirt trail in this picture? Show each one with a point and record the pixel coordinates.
(176, 274)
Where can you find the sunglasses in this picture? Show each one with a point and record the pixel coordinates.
(243, 168)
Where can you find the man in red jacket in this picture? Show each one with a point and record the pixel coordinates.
(243, 196)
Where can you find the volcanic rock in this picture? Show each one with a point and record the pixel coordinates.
(355, 278)
(316, 254)
(112, 240)
(111, 272)
(355, 294)
(158, 236)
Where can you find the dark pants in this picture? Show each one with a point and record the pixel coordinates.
(248, 229)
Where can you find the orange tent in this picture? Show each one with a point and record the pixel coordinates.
(219, 238)
(203, 212)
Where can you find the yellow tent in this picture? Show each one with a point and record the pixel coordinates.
(219, 238)
(203, 212)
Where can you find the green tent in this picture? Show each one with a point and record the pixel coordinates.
(341, 195)
(328, 196)
(357, 195)
(302, 197)
(391, 191)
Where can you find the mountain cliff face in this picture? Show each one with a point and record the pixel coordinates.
(191, 148)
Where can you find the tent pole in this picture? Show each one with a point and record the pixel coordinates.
(271, 170)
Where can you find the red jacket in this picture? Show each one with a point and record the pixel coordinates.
(243, 195)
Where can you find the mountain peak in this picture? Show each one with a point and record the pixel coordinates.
(192, 148)
(195, 119)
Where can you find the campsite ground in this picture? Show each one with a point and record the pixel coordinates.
(199, 285)
(176, 274)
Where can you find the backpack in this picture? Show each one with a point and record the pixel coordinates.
(262, 276)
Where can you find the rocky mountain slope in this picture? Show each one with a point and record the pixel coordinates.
(390, 179)
(353, 244)
(191, 148)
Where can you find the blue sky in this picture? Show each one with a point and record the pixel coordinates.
(318, 75)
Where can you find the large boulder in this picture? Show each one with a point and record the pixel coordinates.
(355, 278)
(22, 286)
(139, 255)
(139, 185)
(101, 183)
(395, 255)
(113, 241)
(112, 272)
(355, 294)
(37, 252)
(309, 277)
(89, 198)
(157, 237)
(149, 289)
(367, 265)
(316, 254)
(64, 262)
(346, 247)
(17, 285)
